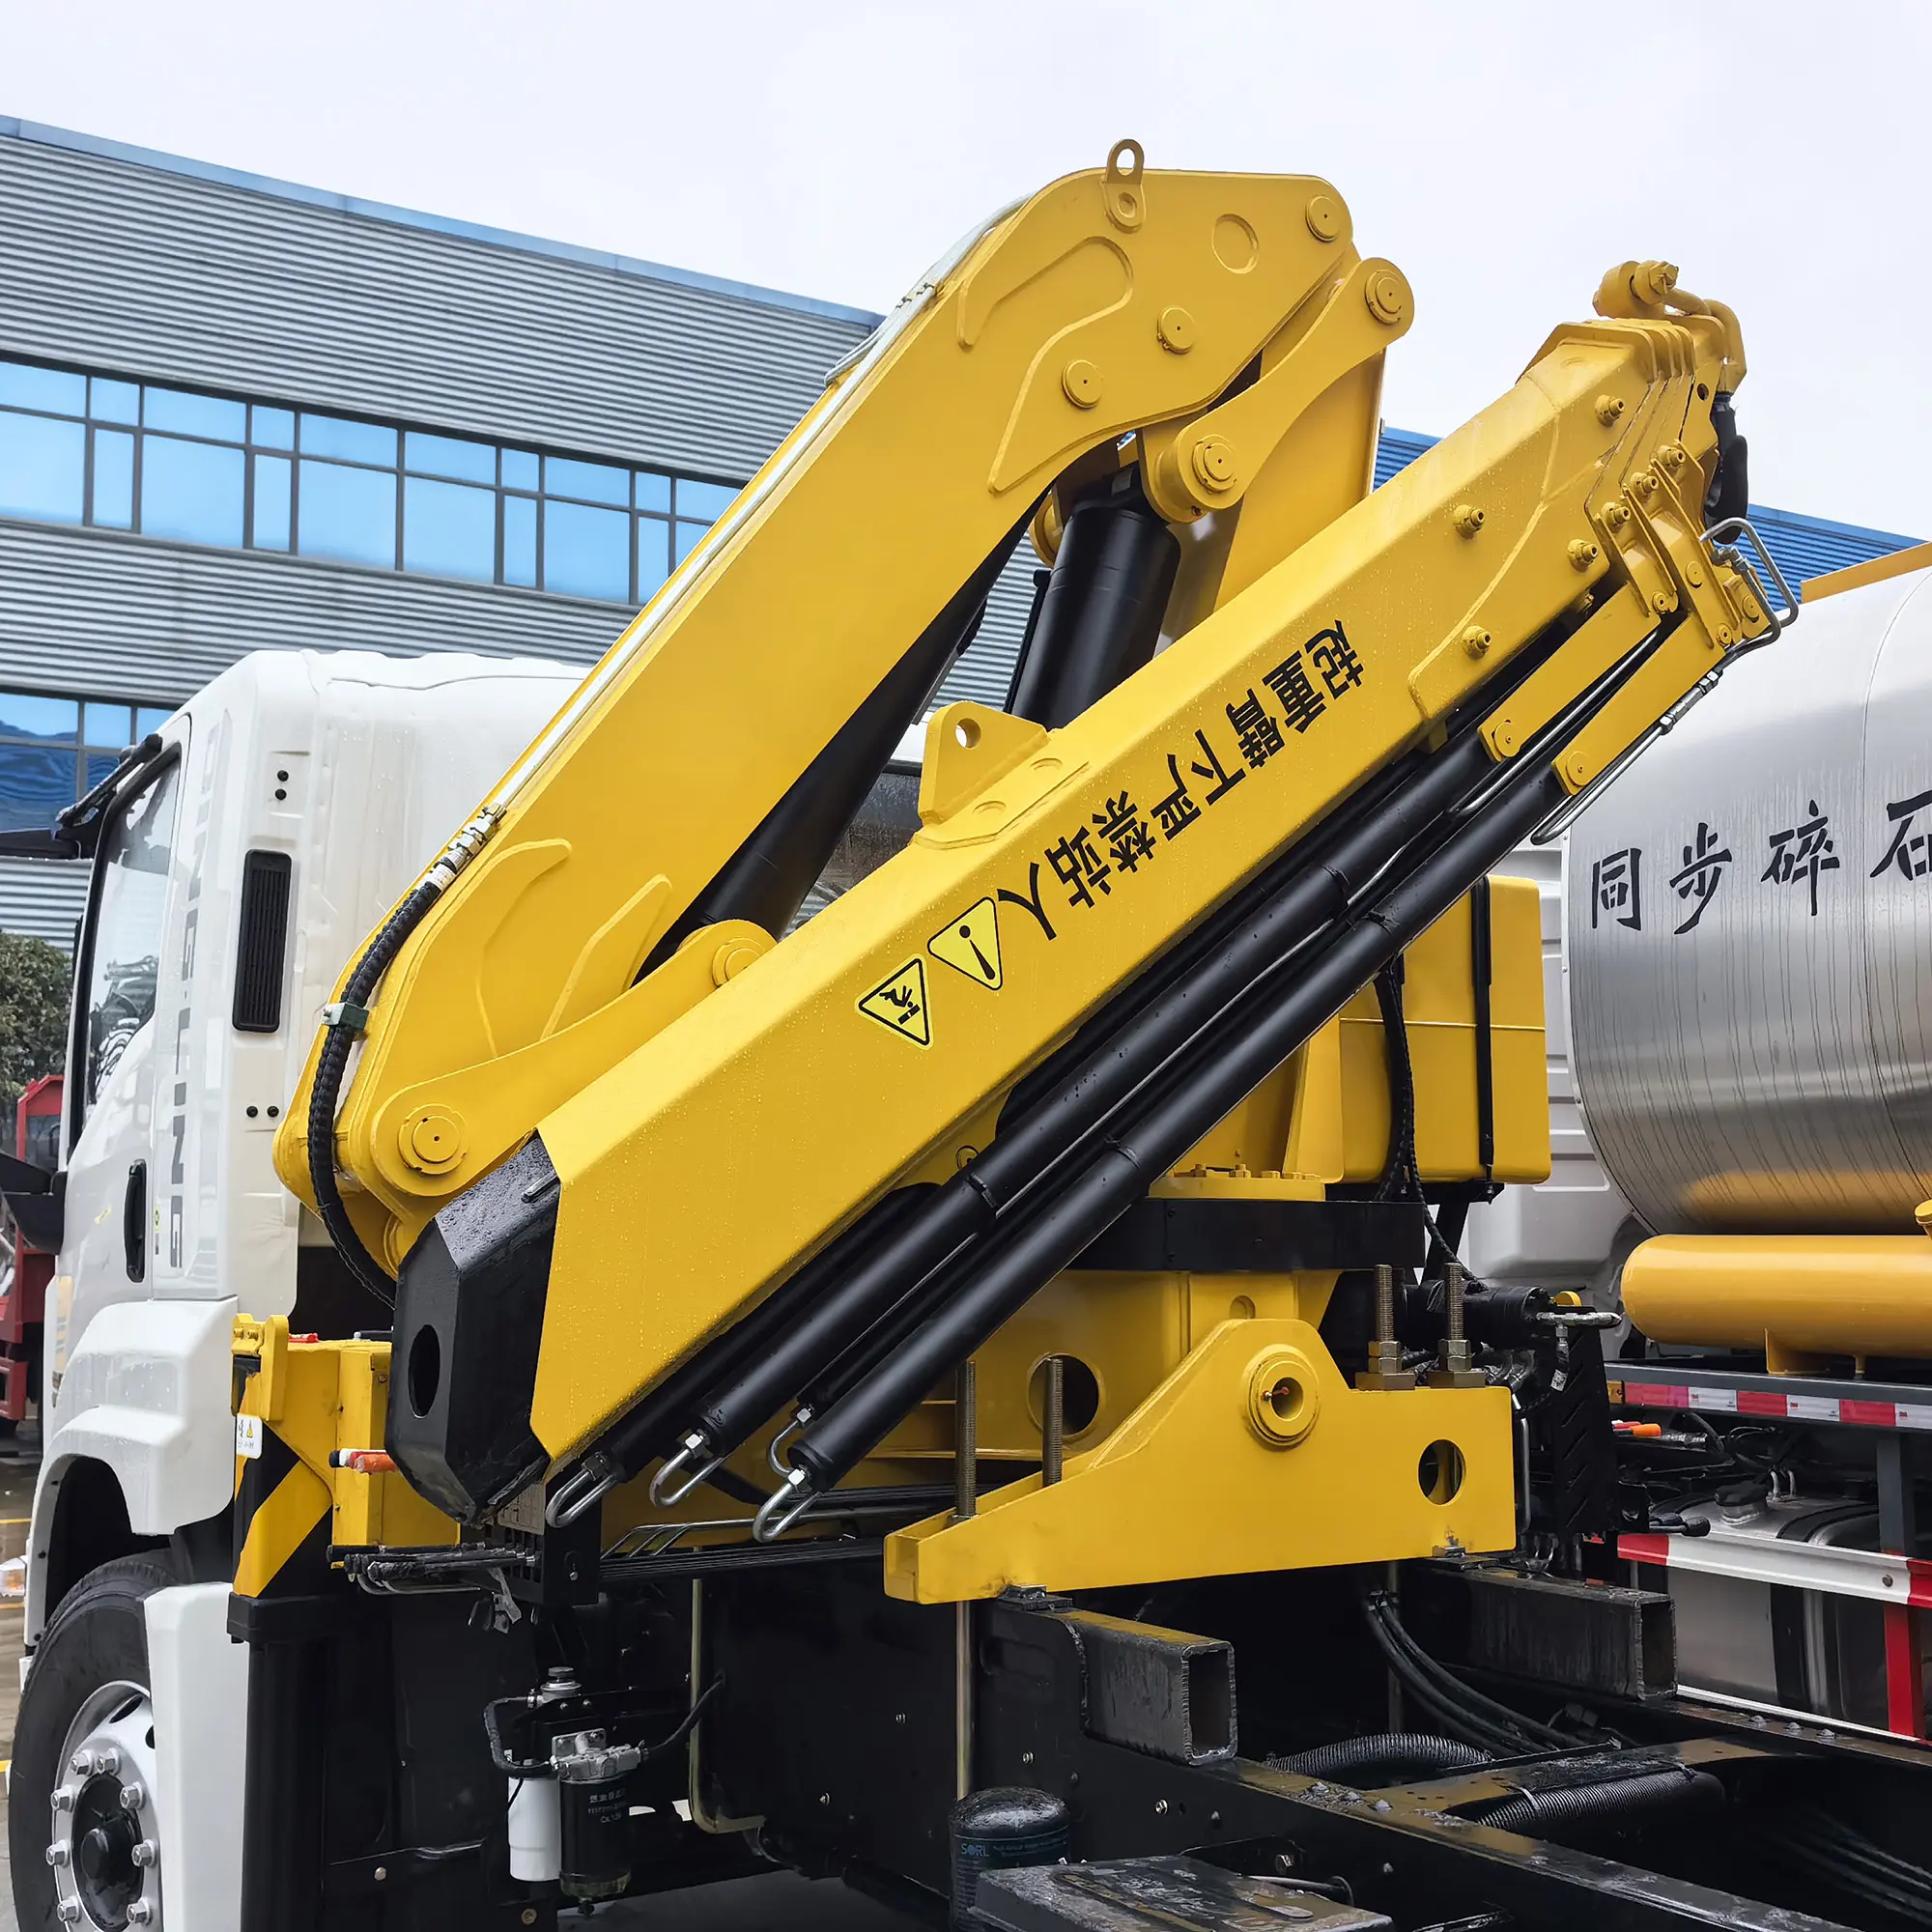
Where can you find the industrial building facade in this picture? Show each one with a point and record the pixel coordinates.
(238, 415)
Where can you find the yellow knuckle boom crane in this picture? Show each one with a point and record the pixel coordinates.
(1093, 1140)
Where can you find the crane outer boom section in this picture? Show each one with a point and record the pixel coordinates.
(1113, 301)
(697, 1171)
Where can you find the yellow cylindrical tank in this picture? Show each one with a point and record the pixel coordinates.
(1798, 1298)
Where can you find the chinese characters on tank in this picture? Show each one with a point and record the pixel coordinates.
(1798, 855)
(1704, 865)
(1800, 852)
(1616, 889)
(1908, 849)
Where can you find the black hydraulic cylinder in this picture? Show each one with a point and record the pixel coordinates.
(884, 1294)
(1117, 1063)
(1038, 1245)
(970, 1205)
(1101, 618)
(767, 878)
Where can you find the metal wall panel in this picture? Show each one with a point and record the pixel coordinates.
(117, 616)
(147, 270)
(44, 900)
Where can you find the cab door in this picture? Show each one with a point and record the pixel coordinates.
(108, 1238)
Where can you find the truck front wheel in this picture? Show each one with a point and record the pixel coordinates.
(81, 1825)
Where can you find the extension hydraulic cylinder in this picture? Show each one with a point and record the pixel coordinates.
(1019, 1264)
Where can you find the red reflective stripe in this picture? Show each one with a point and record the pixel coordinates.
(1921, 1578)
(1656, 1395)
(1642, 1546)
(1870, 1414)
(1904, 1685)
(1760, 1401)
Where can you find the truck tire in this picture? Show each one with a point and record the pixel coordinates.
(83, 1749)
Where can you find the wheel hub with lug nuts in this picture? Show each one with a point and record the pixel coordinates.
(105, 1849)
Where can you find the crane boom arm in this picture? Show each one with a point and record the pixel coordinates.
(736, 1158)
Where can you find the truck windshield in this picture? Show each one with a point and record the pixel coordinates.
(125, 953)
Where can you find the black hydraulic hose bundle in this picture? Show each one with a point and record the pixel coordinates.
(648, 1430)
(999, 1278)
(1811, 1840)
(864, 1342)
(829, 1319)
(329, 1066)
(843, 1312)
(1464, 1711)
(1184, 1094)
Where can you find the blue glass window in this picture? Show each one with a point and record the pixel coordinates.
(450, 456)
(37, 767)
(272, 502)
(653, 557)
(586, 552)
(708, 501)
(352, 442)
(114, 402)
(53, 748)
(55, 720)
(35, 783)
(103, 726)
(195, 415)
(113, 479)
(151, 717)
(449, 529)
(30, 388)
(596, 482)
(519, 538)
(105, 734)
(41, 463)
(190, 490)
(347, 514)
(468, 508)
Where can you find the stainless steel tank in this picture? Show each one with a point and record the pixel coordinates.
(1749, 936)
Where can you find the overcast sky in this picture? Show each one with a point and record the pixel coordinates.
(1503, 155)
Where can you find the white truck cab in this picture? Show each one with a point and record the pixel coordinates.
(290, 803)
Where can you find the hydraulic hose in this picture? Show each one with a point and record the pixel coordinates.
(326, 1090)
(1417, 1666)
(970, 1205)
(1813, 1841)
(1385, 1757)
(1447, 1708)
(885, 1301)
(1000, 1276)
(1015, 1264)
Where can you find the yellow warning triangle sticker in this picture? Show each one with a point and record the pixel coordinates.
(971, 945)
(900, 1004)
